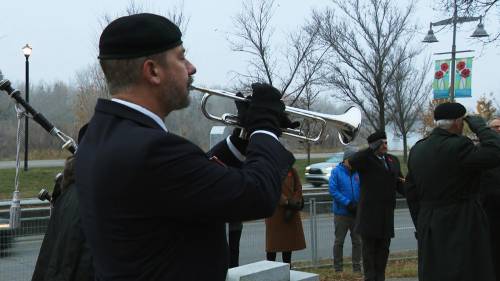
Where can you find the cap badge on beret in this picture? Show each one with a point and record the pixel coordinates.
(138, 35)
(449, 110)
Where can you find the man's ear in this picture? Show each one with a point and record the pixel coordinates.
(151, 72)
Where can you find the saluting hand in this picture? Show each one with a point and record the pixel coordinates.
(476, 123)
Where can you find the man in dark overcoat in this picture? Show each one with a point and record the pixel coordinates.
(154, 205)
(443, 196)
(380, 177)
(490, 195)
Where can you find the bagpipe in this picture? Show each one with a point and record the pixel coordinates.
(68, 143)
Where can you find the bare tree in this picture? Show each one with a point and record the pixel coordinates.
(309, 95)
(90, 86)
(91, 83)
(284, 70)
(368, 42)
(408, 93)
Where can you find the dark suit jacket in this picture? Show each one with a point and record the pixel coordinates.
(153, 205)
(375, 215)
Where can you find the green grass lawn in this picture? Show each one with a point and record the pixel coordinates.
(30, 182)
(37, 178)
(34, 179)
(400, 265)
(300, 166)
(403, 268)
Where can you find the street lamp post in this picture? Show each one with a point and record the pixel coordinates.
(431, 38)
(27, 52)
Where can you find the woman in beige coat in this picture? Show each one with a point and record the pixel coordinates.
(284, 231)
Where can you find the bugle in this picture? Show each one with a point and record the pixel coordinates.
(347, 123)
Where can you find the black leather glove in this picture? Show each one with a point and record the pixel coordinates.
(352, 207)
(242, 106)
(376, 144)
(476, 123)
(287, 123)
(295, 205)
(288, 215)
(266, 110)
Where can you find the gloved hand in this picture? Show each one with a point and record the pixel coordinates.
(287, 123)
(295, 204)
(476, 123)
(352, 207)
(242, 106)
(266, 110)
(376, 144)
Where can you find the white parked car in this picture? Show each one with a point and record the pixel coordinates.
(319, 173)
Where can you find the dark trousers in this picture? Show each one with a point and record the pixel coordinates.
(234, 236)
(342, 225)
(375, 254)
(286, 256)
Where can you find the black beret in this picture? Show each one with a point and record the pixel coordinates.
(378, 135)
(137, 36)
(449, 110)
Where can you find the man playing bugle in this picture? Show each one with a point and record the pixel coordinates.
(153, 204)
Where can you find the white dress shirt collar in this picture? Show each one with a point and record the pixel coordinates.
(144, 111)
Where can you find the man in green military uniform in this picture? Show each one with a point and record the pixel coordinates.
(490, 195)
(443, 196)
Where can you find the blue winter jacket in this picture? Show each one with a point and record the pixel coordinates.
(344, 187)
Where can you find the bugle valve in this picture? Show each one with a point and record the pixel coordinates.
(347, 123)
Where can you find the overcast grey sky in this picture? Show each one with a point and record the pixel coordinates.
(63, 34)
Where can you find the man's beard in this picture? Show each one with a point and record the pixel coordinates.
(187, 100)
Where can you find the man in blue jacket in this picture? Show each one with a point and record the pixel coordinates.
(344, 187)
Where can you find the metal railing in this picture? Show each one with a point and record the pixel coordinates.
(19, 248)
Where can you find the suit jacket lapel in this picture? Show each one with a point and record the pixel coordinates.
(379, 162)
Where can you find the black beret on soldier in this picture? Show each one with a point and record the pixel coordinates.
(376, 136)
(137, 36)
(449, 110)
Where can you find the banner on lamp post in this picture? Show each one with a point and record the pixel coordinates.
(442, 78)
